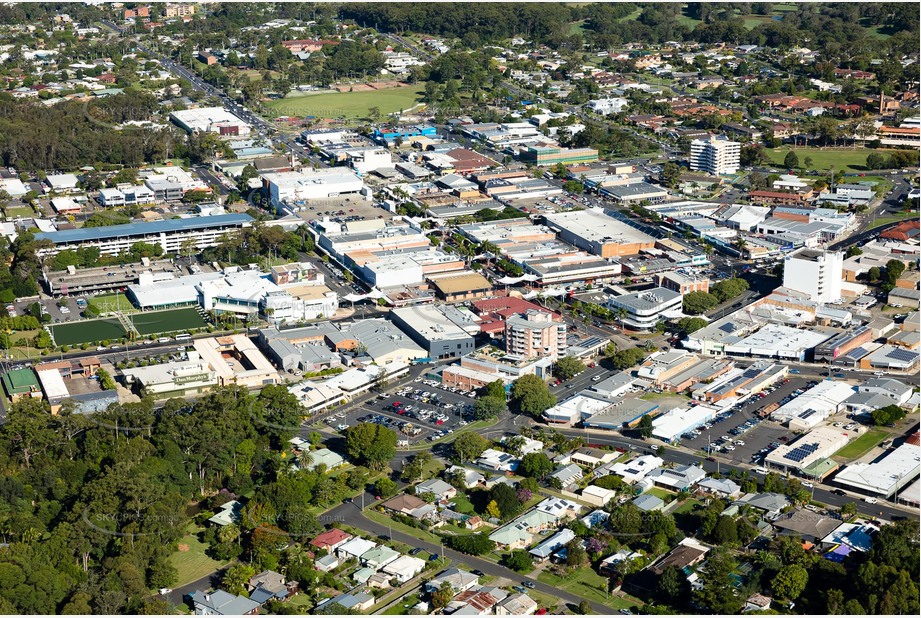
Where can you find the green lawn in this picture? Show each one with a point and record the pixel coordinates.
(112, 302)
(193, 564)
(685, 507)
(87, 331)
(416, 532)
(848, 159)
(585, 582)
(348, 104)
(172, 320)
(403, 607)
(15, 212)
(862, 445)
(462, 504)
(660, 493)
(893, 219)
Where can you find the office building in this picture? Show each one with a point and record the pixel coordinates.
(817, 274)
(443, 331)
(210, 120)
(170, 234)
(645, 309)
(885, 476)
(294, 189)
(715, 155)
(551, 154)
(599, 234)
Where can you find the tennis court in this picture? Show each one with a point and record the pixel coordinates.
(167, 321)
(87, 331)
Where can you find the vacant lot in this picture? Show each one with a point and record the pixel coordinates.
(848, 159)
(348, 104)
(169, 321)
(585, 582)
(87, 331)
(192, 563)
(862, 445)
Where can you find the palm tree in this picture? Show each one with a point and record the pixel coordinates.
(622, 315)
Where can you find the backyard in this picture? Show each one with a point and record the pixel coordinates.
(351, 105)
(585, 582)
(192, 563)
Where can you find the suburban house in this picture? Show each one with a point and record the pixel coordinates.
(220, 603)
(567, 475)
(270, 585)
(476, 602)
(379, 557)
(330, 540)
(553, 544)
(769, 503)
(326, 563)
(439, 488)
(634, 470)
(723, 488)
(354, 548)
(517, 604)
(519, 533)
(404, 568)
(412, 506)
(598, 496)
(460, 581)
(648, 503)
(679, 478)
(811, 526)
(361, 601)
(491, 459)
(757, 603)
(470, 478)
(593, 457)
(228, 513)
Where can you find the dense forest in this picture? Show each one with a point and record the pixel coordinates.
(72, 134)
(91, 508)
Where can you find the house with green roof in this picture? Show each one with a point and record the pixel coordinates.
(19, 383)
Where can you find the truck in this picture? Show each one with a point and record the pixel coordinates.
(422, 361)
(766, 410)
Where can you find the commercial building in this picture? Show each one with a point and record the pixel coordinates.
(378, 339)
(298, 348)
(776, 341)
(884, 477)
(535, 334)
(817, 274)
(813, 406)
(126, 196)
(810, 449)
(210, 120)
(236, 360)
(842, 343)
(735, 382)
(443, 331)
(645, 309)
(171, 234)
(21, 383)
(661, 366)
(294, 189)
(193, 376)
(681, 283)
(632, 194)
(599, 234)
(459, 287)
(669, 427)
(552, 154)
(489, 364)
(716, 155)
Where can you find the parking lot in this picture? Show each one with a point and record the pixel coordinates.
(739, 434)
(419, 411)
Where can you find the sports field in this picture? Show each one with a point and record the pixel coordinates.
(107, 303)
(348, 104)
(847, 159)
(169, 321)
(87, 331)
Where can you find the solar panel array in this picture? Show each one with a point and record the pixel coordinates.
(905, 356)
(806, 413)
(728, 327)
(802, 452)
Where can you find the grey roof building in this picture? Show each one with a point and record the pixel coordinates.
(220, 603)
(443, 331)
(648, 502)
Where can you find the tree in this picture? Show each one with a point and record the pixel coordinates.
(385, 487)
(486, 408)
(645, 426)
(718, 592)
(494, 389)
(726, 531)
(673, 587)
(584, 608)
(506, 498)
(535, 465)
(690, 325)
(105, 380)
(790, 582)
(888, 415)
(894, 270)
(877, 161)
(697, 303)
(468, 446)
(791, 160)
(531, 395)
(519, 561)
(567, 367)
(370, 444)
(852, 251)
(442, 596)
(236, 578)
(873, 274)
(848, 510)
(472, 544)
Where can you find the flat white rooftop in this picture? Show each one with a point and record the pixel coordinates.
(886, 475)
(594, 226)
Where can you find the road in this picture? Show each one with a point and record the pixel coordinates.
(351, 514)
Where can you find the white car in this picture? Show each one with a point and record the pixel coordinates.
(807, 484)
(739, 443)
(870, 500)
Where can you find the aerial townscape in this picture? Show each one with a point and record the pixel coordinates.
(340, 308)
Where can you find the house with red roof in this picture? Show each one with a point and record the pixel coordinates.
(331, 540)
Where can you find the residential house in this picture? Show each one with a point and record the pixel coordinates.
(270, 585)
(598, 496)
(470, 478)
(608, 566)
(648, 503)
(476, 602)
(409, 505)
(459, 580)
(688, 553)
(593, 457)
(757, 603)
(361, 601)
(324, 457)
(491, 459)
(809, 525)
(679, 478)
(722, 488)
(331, 540)
(404, 568)
(220, 603)
(771, 504)
(326, 563)
(518, 604)
(637, 468)
(552, 544)
(354, 548)
(378, 557)
(566, 475)
(519, 533)
(560, 508)
(228, 513)
(440, 489)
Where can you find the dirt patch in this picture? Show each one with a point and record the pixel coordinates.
(183, 547)
(368, 86)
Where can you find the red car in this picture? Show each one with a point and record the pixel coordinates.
(439, 422)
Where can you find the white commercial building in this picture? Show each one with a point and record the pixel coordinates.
(716, 155)
(126, 196)
(810, 448)
(645, 309)
(818, 274)
(884, 477)
(293, 189)
(669, 427)
(613, 105)
(211, 120)
(813, 406)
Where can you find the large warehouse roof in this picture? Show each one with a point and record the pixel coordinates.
(87, 234)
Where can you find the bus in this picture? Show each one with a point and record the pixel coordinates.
(183, 337)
